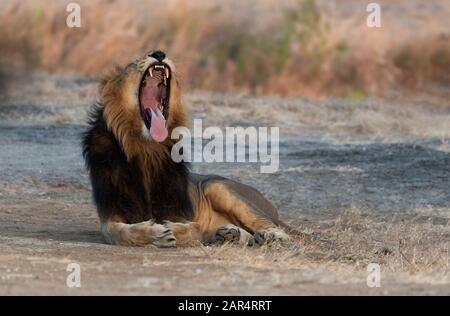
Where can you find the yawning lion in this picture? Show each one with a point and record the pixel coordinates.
(142, 195)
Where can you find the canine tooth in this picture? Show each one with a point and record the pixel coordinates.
(166, 70)
(151, 72)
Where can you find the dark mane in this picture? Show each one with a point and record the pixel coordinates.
(118, 184)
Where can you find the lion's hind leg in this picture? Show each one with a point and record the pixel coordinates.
(266, 236)
(231, 234)
(245, 208)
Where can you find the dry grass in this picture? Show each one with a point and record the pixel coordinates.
(339, 119)
(299, 48)
(407, 249)
(65, 99)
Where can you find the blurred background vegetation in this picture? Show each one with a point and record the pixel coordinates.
(306, 48)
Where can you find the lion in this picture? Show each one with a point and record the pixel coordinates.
(142, 196)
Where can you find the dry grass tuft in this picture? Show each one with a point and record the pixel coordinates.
(349, 243)
(405, 245)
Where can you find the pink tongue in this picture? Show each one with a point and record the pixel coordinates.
(150, 96)
(158, 128)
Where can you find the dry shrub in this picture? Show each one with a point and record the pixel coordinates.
(296, 49)
(423, 61)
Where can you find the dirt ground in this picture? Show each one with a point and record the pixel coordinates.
(367, 182)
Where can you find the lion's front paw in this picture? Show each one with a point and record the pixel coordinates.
(164, 237)
(188, 233)
(268, 236)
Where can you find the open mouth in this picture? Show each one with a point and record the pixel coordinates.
(154, 93)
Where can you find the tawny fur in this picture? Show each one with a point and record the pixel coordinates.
(124, 165)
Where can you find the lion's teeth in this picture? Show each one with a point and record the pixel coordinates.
(166, 70)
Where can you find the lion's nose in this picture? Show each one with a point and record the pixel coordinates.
(158, 55)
